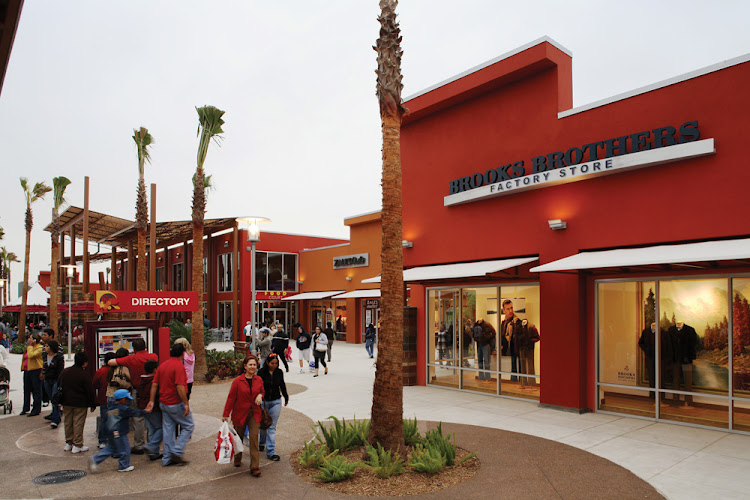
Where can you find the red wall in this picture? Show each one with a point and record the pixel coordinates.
(687, 200)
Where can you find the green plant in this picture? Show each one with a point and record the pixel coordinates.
(466, 458)
(411, 434)
(383, 463)
(435, 439)
(335, 468)
(177, 329)
(18, 348)
(313, 456)
(343, 436)
(427, 460)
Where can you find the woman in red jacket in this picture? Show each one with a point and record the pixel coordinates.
(243, 403)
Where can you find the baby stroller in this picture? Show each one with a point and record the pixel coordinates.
(5, 401)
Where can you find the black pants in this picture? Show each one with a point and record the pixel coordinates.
(282, 356)
(32, 385)
(320, 357)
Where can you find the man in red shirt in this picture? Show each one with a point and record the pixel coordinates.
(171, 382)
(135, 363)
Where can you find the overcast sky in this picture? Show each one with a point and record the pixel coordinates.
(296, 79)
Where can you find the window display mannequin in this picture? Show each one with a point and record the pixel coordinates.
(521, 338)
(684, 341)
(647, 344)
(440, 341)
(484, 336)
(467, 338)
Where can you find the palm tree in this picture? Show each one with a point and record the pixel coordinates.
(59, 185)
(143, 140)
(8, 258)
(387, 396)
(32, 195)
(209, 128)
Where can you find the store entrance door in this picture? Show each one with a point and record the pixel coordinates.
(275, 312)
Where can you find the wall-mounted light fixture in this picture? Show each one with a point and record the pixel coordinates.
(348, 278)
(407, 243)
(226, 244)
(178, 255)
(557, 224)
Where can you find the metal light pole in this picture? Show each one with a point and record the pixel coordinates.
(252, 225)
(2, 296)
(71, 273)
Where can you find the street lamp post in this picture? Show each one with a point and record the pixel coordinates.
(2, 295)
(252, 225)
(71, 274)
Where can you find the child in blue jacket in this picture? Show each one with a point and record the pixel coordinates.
(118, 425)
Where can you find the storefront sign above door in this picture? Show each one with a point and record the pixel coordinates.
(358, 260)
(616, 155)
(109, 301)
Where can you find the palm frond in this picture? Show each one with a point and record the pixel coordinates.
(40, 190)
(2, 232)
(60, 184)
(209, 127)
(143, 139)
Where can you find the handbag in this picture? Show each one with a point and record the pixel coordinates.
(265, 418)
(56, 398)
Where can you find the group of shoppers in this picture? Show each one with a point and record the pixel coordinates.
(318, 346)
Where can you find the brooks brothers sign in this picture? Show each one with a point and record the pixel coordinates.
(619, 154)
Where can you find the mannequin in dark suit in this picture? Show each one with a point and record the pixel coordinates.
(685, 350)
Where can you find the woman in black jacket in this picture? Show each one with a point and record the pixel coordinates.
(273, 383)
(51, 370)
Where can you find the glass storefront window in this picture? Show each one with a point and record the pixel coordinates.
(261, 258)
(339, 325)
(741, 338)
(275, 272)
(177, 277)
(225, 314)
(466, 328)
(160, 278)
(225, 272)
(290, 272)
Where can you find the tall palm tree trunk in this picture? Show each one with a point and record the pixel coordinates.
(25, 293)
(199, 211)
(387, 396)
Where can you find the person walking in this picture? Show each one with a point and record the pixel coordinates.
(171, 383)
(77, 395)
(279, 344)
(153, 419)
(274, 387)
(321, 347)
(31, 366)
(188, 359)
(369, 339)
(101, 384)
(119, 425)
(331, 335)
(303, 347)
(264, 344)
(243, 404)
(134, 363)
(52, 370)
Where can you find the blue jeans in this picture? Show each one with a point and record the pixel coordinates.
(171, 417)
(369, 346)
(102, 424)
(153, 422)
(51, 386)
(119, 446)
(32, 385)
(268, 436)
(483, 355)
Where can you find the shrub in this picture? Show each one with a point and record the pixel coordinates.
(435, 439)
(18, 348)
(411, 434)
(427, 460)
(382, 462)
(313, 456)
(343, 436)
(222, 364)
(335, 468)
(178, 329)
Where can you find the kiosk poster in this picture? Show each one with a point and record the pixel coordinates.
(110, 340)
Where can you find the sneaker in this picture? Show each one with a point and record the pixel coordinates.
(102, 446)
(77, 449)
(275, 458)
(48, 417)
(93, 465)
(153, 457)
(261, 448)
(68, 447)
(128, 469)
(53, 425)
(137, 451)
(176, 460)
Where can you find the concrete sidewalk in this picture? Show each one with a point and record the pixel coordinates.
(680, 462)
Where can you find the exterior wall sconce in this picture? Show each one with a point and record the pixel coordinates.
(348, 278)
(557, 224)
(226, 244)
(407, 243)
(178, 255)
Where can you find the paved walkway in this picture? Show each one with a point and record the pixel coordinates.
(680, 462)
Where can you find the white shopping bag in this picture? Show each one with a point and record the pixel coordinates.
(224, 449)
(236, 441)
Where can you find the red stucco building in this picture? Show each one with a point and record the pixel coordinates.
(644, 196)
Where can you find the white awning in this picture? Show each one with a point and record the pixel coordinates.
(708, 251)
(463, 270)
(313, 295)
(360, 294)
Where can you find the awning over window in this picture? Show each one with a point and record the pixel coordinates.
(463, 270)
(360, 294)
(313, 295)
(694, 255)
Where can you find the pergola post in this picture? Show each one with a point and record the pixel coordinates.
(86, 237)
(152, 247)
(235, 282)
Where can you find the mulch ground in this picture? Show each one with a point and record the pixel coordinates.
(365, 483)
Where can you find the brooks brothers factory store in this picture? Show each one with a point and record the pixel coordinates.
(592, 258)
